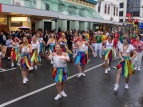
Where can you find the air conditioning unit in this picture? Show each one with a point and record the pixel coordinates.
(19, 3)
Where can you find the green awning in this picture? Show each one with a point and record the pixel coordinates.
(67, 8)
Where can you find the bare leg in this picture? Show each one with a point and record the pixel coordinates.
(106, 64)
(83, 68)
(12, 60)
(27, 71)
(118, 75)
(58, 85)
(63, 85)
(23, 73)
(127, 79)
(79, 68)
(32, 63)
(110, 63)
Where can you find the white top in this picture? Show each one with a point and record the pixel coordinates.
(82, 49)
(58, 62)
(16, 46)
(24, 49)
(130, 48)
(53, 43)
(40, 40)
(35, 46)
(62, 43)
(108, 45)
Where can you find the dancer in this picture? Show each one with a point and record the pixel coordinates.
(25, 58)
(94, 42)
(63, 41)
(82, 56)
(9, 46)
(109, 52)
(41, 41)
(14, 51)
(35, 53)
(125, 66)
(52, 42)
(74, 40)
(60, 72)
(138, 48)
(99, 44)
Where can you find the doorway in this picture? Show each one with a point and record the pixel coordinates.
(47, 26)
(68, 25)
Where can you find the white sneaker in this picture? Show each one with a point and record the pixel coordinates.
(135, 67)
(63, 94)
(31, 68)
(79, 75)
(35, 66)
(106, 71)
(8, 57)
(18, 64)
(139, 68)
(40, 60)
(126, 86)
(116, 87)
(12, 65)
(95, 56)
(58, 97)
(83, 74)
(109, 69)
(100, 56)
(24, 81)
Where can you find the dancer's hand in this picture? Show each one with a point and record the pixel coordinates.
(131, 59)
(123, 60)
(93, 53)
(62, 58)
(46, 56)
(105, 50)
(116, 52)
(20, 59)
(37, 55)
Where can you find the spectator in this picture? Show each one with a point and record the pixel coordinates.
(7, 34)
(9, 46)
(4, 38)
(13, 34)
(69, 36)
(1, 39)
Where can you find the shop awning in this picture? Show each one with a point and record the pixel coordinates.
(92, 1)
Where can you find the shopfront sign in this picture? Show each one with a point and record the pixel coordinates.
(140, 25)
(0, 7)
(19, 19)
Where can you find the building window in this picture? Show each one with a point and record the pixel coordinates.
(105, 8)
(72, 0)
(120, 13)
(108, 8)
(99, 6)
(83, 3)
(80, 2)
(76, 1)
(116, 11)
(92, 5)
(121, 20)
(121, 5)
(87, 4)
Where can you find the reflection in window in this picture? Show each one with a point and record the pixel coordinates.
(108, 8)
(116, 11)
(72, 0)
(99, 5)
(83, 3)
(76, 1)
(105, 8)
(87, 4)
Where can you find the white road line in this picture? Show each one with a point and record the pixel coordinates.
(7, 69)
(41, 89)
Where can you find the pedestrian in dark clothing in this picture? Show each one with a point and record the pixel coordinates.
(1, 39)
(69, 36)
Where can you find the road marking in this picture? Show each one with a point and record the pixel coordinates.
(3, 70)
(46, 87)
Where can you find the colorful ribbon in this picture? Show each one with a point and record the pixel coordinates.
(109, 54)
(14, 53)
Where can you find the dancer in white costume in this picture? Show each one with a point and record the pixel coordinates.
(138, 48)
(35, 53)
(75, 51)
(60, 72)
